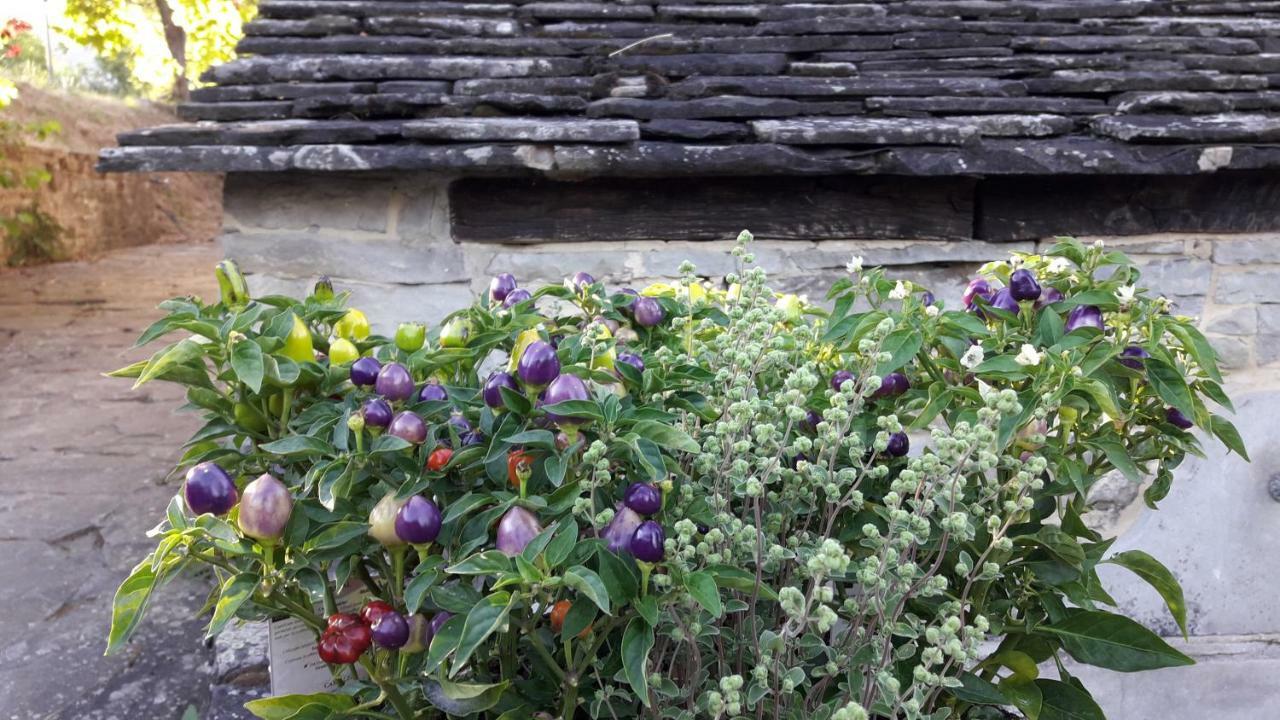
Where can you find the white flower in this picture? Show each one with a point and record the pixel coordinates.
(899, 291)
(1124, 294)
(1028, 356)
(932, 311)
(1059, 265)
(972, 357)
(854, 265)
(1098, 244)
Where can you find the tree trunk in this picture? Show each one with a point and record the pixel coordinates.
(176, 38)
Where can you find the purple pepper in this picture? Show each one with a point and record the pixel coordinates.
(376, 412)
(460, 423)
(1133, 357)
(1023, 285)
(437, 621)
(839, 378)
(265, 507)
(643, 498)
(977, 288)
(581, 281)
(811, 420)
(419, 634)
(209, 489)
(364, 372)
(433, 392)
(394, 382)
(562, 389)
(390, 630)
(408, 425)
(1049, 296)
(418, 521)
(633, 360)
(538, 364)
(647, 311)
(620, 529)
(927, 299)
(515, 531)
(648, 544)
(515, 297)
(493, 388)
(1003, 300)
(472, 437)
(501, 286)
(898, 445)
(1084, 316)
(1176, 418)
(892, 385)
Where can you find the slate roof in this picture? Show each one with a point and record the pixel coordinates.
(718, 87)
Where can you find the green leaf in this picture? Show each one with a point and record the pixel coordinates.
(490, 562)
(1170, 385)
(734, 578)
(587, 582)
(1159, 577)
(246, 360)
(702, 587)
(235, 591)
(486, 617)
(462, 699)
(1197, 345)
(335, 535)
(619, 576)
(637, 640)
(445, 641)
(902, 345)
(179, 353)
(282, 707)
(130, 603)
(666, 436)
(976, 691)
(1024, 694)
(561, 545)
(298, 445)
(387, 444)
(587, 409)
(1227, 433)
(1114, 642)
(1063, 701)
(647, 607)
(1119, 457)
(1019, 662)
(542, 439)
(416, 591)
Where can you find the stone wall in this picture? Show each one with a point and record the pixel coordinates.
(389, 241)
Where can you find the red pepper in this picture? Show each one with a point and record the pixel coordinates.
(373, 611)
(438, 459)
(519, 467)
(345, 640)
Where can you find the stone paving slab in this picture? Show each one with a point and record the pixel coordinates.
(82, 477)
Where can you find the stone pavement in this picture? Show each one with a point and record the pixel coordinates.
(82, 477)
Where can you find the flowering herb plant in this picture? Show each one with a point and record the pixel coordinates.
(686, 502)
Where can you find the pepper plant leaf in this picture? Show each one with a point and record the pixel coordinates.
(637, 640)
(1159, 577)
(1114, 642)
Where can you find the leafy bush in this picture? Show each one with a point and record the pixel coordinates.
(869, 511)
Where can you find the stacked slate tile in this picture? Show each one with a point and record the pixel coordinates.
(663, 88)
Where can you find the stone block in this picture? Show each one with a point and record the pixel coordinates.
(1249, 286)
(829, 255)
(1234, 320)
(299, 201)
(1267, 347)
(241, 653)
(1247, 251)
(1234, 351)
(422, 211)
(1176, 276)
(308, 255)
(1140, 245)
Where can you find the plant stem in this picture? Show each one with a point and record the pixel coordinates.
(570, 705)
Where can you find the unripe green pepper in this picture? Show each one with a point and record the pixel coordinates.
(249, 418)
(455, 333)
(297, 346)
(324, 289)
(342, 351)
(353, 326)
(232, 288)
(411, 336)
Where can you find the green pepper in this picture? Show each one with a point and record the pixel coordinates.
(297, 346)
(411, 336)
(353, 326)
(342, 351)
(455, 333)
(232, 288)
(249, 418)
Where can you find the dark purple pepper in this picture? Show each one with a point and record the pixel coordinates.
(643, 498)
(438, 620)
(633, 360)
(265, 508)
(1176, 418)
(501, 286)
(394, 382)
(376, 412)
(538, 364)
(1023, 285)
(408, 425)
(892, 385)
(418, 521)
(620, 529)
(515, 297)
(209, 489)
(839, 378)
(390, 630)
(1049, 296)
(647, 311)
(562, 389)
(927, 299)
(1133, 357)
(460, 423)
(581, 281)
(1084, 316)
(649, 542)
(515, 530)
(898, 445)
(471, 437)
(364, 372)
(493, 388)
(433, 392)
(1003, 300)
(811, 420)
(977, 288)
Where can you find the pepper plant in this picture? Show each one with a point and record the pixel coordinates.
(686, 502)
